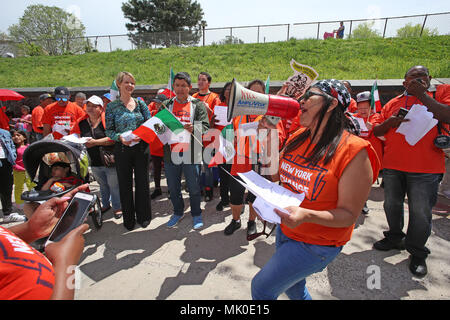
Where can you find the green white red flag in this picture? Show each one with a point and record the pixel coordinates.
(375, 102)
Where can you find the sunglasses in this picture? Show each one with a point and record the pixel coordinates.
(62, 99)
(308, 94)
(256, 235)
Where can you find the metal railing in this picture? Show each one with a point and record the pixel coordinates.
(438, 23)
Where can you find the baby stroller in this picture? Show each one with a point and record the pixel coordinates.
(38, 158)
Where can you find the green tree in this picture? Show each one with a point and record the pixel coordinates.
(364, 31)
(49, 29)
(410, 31)
(163, 22)
(229, 40)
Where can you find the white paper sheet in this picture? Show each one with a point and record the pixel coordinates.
(269, 196)
(221, 115)
(129, 136)
(420, 123)
(74, 138)
(249, 129)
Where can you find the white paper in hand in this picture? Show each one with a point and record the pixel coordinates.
(420, 123)
(221, 115)
(74, 138)
(129, 136)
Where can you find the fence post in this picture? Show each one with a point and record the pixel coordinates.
(423, 26)
(179, 38)
(318, 29)
(385, 25)
(350, 34)
(288, 32)
(231, 34)
(110, 45)
(203, 35)
(258, 34)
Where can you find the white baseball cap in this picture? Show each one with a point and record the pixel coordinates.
(95, 100)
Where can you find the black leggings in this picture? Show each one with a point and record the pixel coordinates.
(237, 192)
(157, 168)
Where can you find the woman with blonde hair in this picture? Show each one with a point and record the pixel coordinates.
(122, 116)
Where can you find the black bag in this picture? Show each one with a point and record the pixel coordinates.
(107, 156)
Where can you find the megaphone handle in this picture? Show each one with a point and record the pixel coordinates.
(273, 120)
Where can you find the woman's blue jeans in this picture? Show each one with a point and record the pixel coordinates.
(421, 190)
(109, 186)
(288, 268)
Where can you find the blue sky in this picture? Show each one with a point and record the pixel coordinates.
(103, 17)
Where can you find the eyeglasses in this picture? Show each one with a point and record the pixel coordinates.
(62, 99)
(256, 235)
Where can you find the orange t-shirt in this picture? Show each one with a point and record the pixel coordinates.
(377, 144)
(423, 157)
(61, 119)
(353, 107)
(246, 147)
(320, 185)
(4, 121)
(183, 113)
(36, 119)
(211, 99)
(25, 274)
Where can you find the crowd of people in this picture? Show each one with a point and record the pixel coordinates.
(332, 151)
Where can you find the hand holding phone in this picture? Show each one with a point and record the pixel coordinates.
(74, 215)
(402, 113)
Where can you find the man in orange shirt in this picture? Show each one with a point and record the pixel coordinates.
(211, 100)
(60, 117)
(412, 170)
(36, 115)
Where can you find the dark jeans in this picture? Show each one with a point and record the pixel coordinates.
(157, 168)
(421, 190)
(224, 182)
(6, 186)
(129, 159)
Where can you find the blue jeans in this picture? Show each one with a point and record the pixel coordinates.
(421, 189)
(109, 186)
(288, 268)
(192, 175)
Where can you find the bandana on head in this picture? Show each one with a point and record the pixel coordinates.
(336, 89)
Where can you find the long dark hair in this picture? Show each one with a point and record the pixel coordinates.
(222, 93)
(331, 136)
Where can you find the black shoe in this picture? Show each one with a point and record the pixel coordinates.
(221, 205)
(418, 267)
(208, 194)
(386, 245)
(129, 226)
(365, 210)
(156, 193)
(145, 223)
(232, 227)
(251, 228)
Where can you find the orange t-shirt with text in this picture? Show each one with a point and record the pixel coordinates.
(25, 274)
(182, 112)
(61, 119)
(424, 156)
(320, 185)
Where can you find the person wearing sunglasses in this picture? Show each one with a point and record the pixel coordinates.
(335, 170)
(60, 116)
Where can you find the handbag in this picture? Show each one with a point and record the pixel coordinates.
(106, 153)
(107, 156)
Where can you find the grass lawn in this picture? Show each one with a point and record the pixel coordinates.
(333, 58)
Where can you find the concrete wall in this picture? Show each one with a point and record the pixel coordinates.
(387, 89)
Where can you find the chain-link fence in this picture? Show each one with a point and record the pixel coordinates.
(416, 25)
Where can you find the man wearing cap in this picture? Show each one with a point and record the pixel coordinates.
(36, 115)
(92, 126)
(106, 98)
(412, 170)
(59, 117)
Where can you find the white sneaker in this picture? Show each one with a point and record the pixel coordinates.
(14, 217)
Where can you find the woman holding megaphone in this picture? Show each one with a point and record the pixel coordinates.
(335, 169)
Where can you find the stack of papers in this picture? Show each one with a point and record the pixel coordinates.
(269, 196)
(420, 123)
(221, 115)
(74, 138)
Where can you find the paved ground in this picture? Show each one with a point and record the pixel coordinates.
(180, 263)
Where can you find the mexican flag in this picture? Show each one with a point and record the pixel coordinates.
(114, 91)
(226, 151)
(170, 84)
(163, 128)
(375, 103)
(268, 84)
